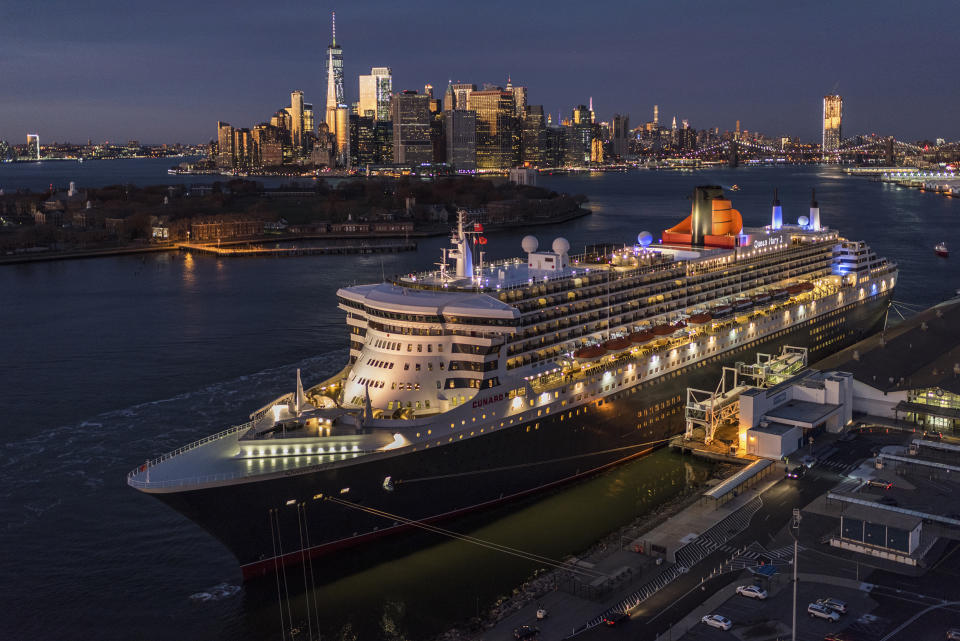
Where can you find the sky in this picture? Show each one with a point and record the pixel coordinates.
(168, 71)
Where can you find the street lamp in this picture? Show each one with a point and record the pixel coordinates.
(795, 530)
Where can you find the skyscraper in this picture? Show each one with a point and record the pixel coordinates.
(296, 120)
(375, 92)
(519, 97)
(533, 137)
(411, 128)
(224, 145)
(461, 137)
(620, 135)
(335, 97)
(33, 146)
(832, 116)
(496, 128)
(457, 95)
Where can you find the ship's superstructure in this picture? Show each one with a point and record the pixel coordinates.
(514, 375)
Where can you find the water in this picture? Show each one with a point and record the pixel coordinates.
(38, 176)
(109, 361)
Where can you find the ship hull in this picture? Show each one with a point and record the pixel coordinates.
(282, 521)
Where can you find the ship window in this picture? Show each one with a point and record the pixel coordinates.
(393, 385)
(418, 367)
(429, 348)
(440, 348)
(426, 403)
(429, 367)
(409, 347)
(419, 348)
(406, 366)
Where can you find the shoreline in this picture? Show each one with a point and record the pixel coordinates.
(440, 230)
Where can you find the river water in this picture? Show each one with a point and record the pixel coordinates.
(107, 362)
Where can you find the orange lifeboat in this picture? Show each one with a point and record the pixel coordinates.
(760, 299)
(808, 286)
(679, 325)
(616, 344)
(700, 319)
(590, 352)
(793, 290)
(663, 330)
(641, 337)
(779, 293)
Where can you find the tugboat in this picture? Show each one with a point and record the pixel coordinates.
(941, 250)
(735, 188)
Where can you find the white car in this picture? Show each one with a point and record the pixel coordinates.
(836, 605)
(717, 621)
(752, 591)
(817, 611)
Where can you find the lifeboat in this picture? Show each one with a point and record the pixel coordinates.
(793, 290)
(779, 293)
(616, 344)
(742, 304)
(641, 337)
(760, 299)
(700, 319)
(808, 286)
(679, 325)
(721, 311)
(941, 250)
(663, 330)
(590, 352)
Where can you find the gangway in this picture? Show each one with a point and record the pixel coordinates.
(709, 410)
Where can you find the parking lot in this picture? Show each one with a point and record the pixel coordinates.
(753, 618)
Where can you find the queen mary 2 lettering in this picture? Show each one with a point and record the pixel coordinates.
(514, 376)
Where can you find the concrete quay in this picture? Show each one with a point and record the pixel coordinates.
(570, 615)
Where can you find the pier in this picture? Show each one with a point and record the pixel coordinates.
(357, 248)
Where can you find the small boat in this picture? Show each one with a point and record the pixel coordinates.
(941, 250)
(616, 344)
(644, 336)
(700, 319)
(663, 330)
(589, 353)
(735, 188)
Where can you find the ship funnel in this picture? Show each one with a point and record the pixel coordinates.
(814, 211)
(701, 213)
(776, 221)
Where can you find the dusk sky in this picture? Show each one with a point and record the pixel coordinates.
(167, 71)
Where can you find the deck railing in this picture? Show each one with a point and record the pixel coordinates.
(180, 450)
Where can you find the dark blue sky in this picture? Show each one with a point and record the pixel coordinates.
(167, 71)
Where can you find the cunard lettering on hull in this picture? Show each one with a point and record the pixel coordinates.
(455, 374)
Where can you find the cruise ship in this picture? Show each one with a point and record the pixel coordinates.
(481, 382)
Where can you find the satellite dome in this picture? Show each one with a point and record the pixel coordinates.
(644, 238)
(529, 244)
(561, 246)
(803, 220)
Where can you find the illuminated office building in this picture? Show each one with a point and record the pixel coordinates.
(411, 128)
(375, 90)
(832, 116)
(620, 135)
(533, 137)
(296, 119)
(457, 96)
(497, 135)
(335, 97)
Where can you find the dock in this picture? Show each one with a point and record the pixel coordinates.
(357, 248)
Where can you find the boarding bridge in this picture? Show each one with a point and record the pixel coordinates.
(709, 410)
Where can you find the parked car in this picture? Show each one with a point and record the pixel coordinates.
(752, 591)
(616, 618)
(526, 632)
(809, 460)
(717, 621)
(817, 611)
(953, 634)
(883, 485)
(797, 472)
(834, 604)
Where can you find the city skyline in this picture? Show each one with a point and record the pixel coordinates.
(152, 77)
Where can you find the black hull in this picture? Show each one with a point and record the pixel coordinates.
(261, 523)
